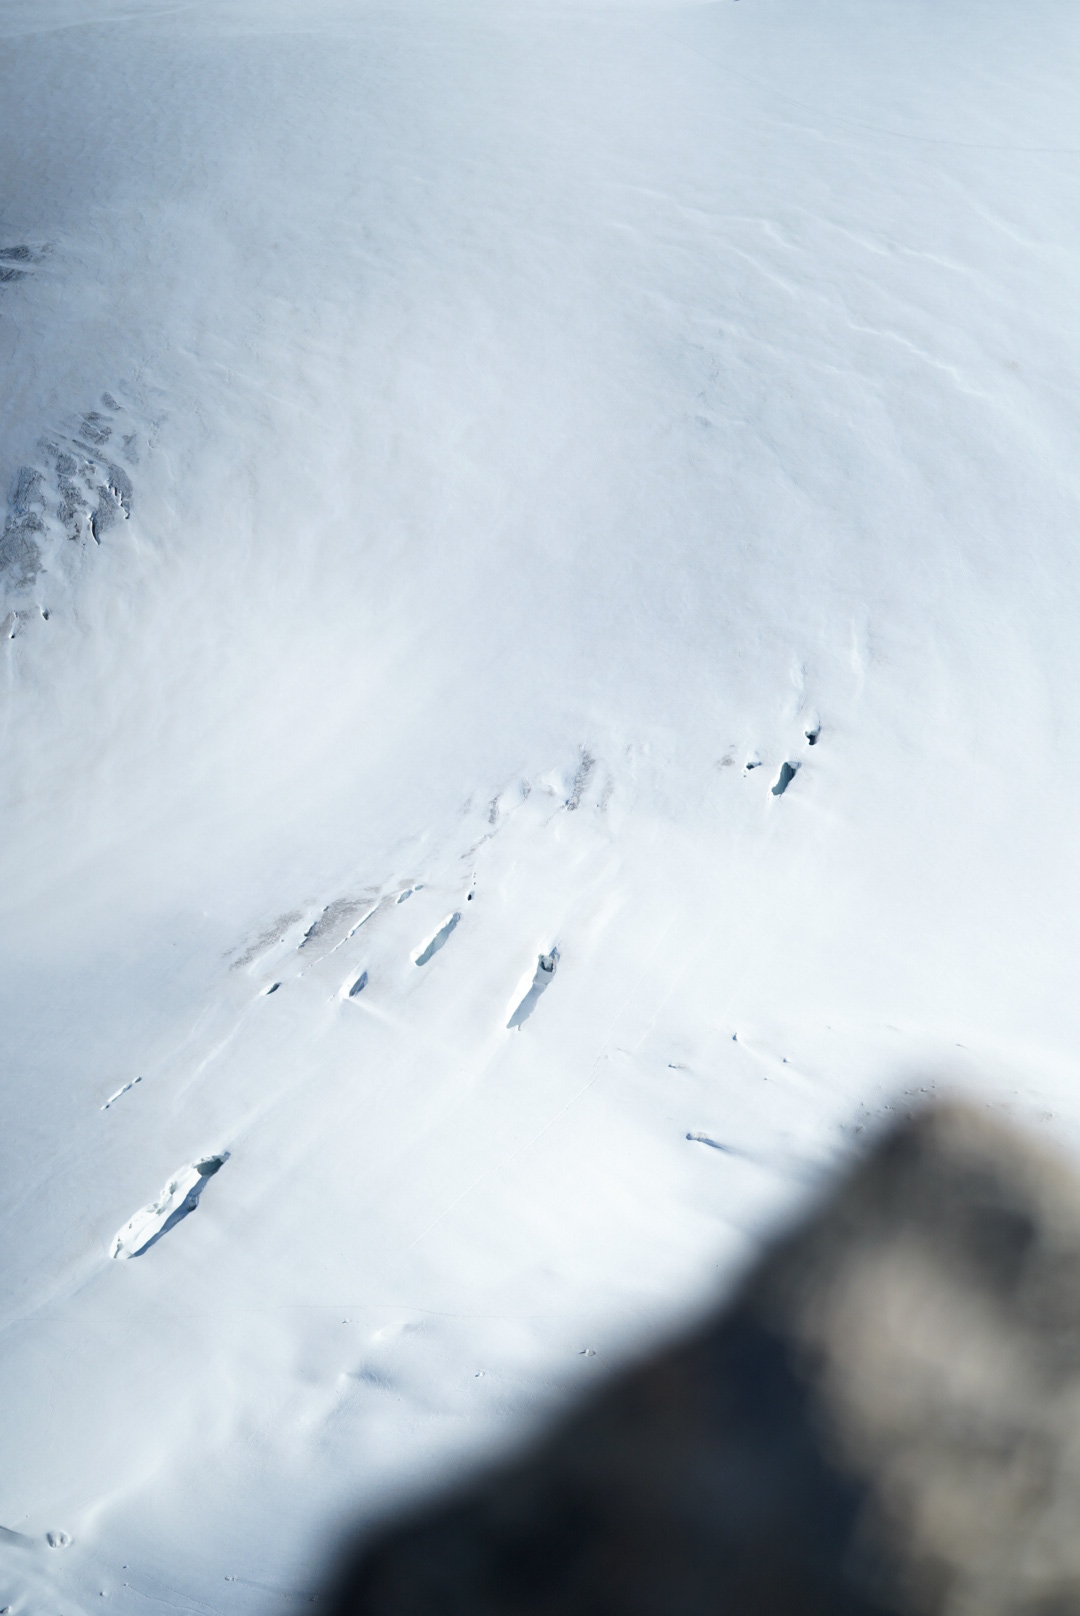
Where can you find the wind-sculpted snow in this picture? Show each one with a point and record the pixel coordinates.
(118, 1094)
(477, 481)
(17, 263)
(76, 492)
(179, 1198)
(20, 549)
(786, 775)
(542, 978)
(439, 938)
(339, 921)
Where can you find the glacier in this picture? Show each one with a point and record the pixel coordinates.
(578, 479)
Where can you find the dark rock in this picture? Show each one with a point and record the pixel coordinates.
(885, 1418)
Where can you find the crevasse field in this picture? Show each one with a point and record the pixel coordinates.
(456, 455)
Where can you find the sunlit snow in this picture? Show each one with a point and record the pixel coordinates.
(487, 484)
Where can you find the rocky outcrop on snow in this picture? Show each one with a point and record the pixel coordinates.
(885, 1418)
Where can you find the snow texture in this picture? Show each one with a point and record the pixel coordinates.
(179, 1197)
(456, 459)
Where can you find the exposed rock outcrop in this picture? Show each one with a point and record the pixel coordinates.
(886, 1417)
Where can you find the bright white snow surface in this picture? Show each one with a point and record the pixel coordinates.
(530, 415)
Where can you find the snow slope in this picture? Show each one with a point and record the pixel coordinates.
(527, 425)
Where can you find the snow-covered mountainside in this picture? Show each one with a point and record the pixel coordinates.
(540, 696)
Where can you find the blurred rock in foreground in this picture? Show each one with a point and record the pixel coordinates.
(886, 1417)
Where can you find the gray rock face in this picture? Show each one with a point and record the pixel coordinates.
(886, 1418)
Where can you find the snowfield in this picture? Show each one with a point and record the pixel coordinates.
(571, 510)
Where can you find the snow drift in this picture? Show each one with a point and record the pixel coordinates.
(458, 458)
